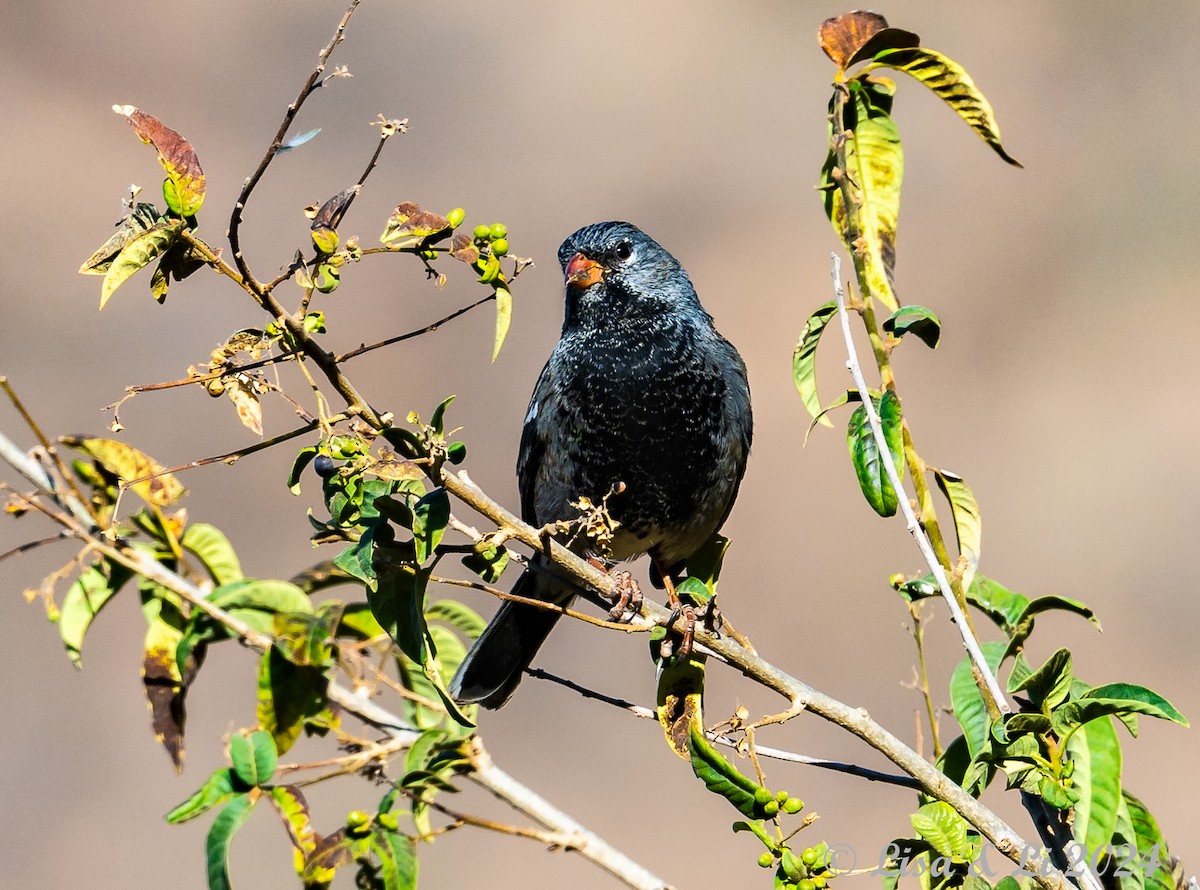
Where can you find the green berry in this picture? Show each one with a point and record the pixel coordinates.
(455, 217)
(782, 796)
(771, 807)
(793, 805)
(356, 819)
(500, 246)
(807, 884)
(766, 860)
(809, 857)
(819, 882)
(761, 796)
(481, 232)
(390, 821)
(497, 230)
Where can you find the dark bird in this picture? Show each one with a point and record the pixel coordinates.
(641, 401)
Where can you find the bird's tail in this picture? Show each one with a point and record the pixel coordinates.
(490, 672)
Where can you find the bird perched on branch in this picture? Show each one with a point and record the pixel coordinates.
(642, 407)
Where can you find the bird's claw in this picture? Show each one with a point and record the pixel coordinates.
(626, 597)
(709, 617)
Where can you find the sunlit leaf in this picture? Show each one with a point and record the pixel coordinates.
(137, 254)
(293, 811)
(128, 463)
(968, 526)
(865, 455)
(969, 709)
(875, 169)
(944, 829)
(842, 36)
(216, 845)
(1047, 686)
(164, 686)
(209, 544)
(89, 593)
(1095, 752)
(1116, 699)
(397, 859)
(140, 219)
(951, 83)
(217, 789)
(325, 220)
(288, 694)
(804, 360)
(503, 318)
(922, 323)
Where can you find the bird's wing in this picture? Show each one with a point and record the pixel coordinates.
(533, 447)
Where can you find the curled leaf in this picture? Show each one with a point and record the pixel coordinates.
(327, 217)
(411, 225)
(141, 251)
(842, 36)
(127, 464)
(864, 452)
(804, 360)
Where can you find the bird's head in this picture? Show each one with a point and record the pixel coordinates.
(615, 270)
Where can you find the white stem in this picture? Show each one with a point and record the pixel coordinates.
(914, 525)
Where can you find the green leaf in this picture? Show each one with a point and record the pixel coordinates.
(489, 563)
(864, 452)
(875, 167)
(1002, 605)
(1154, 860)
(214, 792)
(141, 218)
(723, 778)
(90, 593)
(458, 615)
(922, 323)
(438, 419)
(951, 83)
(1022, 627)
(213, 549)
(397, 858)
(1096, 754)
(216, 845)
(398, 603)
(503, 317)
(253, 757)
(262, 595)
(288, 694)
(1116, 699)
(1047, 687)
(804, 360)
(705, 564)
(138, 253)
(968, 706)
(850, 395)
(968, 527)
(431, 515)
(943, 828)
(304, 457)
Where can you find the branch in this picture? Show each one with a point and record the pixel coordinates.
(801, 696)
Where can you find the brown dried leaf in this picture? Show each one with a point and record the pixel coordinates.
(392, 468)
(462, 248)
(410, 225)
(842, 36)
(249, 409)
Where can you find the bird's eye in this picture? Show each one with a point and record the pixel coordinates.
(623, 250)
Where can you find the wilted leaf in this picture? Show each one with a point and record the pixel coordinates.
(137, 254)
(184, 187)
(875, 168)
(953, 85)
(241, 392)
(804, 360)
(165, 691)
(288, 694)
(463, 249)
(968, 526)
(503, 317)
(127, 464)
(328, 217)
(410, 225)
(841, 36)
(397, 859)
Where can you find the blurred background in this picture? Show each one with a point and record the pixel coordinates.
(1063, 390)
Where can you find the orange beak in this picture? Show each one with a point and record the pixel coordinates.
(582, 272)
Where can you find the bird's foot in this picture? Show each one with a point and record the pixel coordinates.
(707, 614)
(626, 596)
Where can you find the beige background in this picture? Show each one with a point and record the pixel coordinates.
(1063, 391)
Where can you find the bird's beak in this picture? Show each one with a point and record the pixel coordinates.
(582, 272)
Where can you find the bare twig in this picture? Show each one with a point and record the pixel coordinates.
(914, 525)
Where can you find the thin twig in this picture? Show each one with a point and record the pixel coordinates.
(428, 329)
(914, 525)
(918, 632)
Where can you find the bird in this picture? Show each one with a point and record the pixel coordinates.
(642, 406)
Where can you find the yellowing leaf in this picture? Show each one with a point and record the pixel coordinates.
(128, 463)
(185, 185)
(138, 253)
(328, 217)
(953, 85)
(842, 36)
(503, 317)
(875, 167)
(140, 219)
(245, 399)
